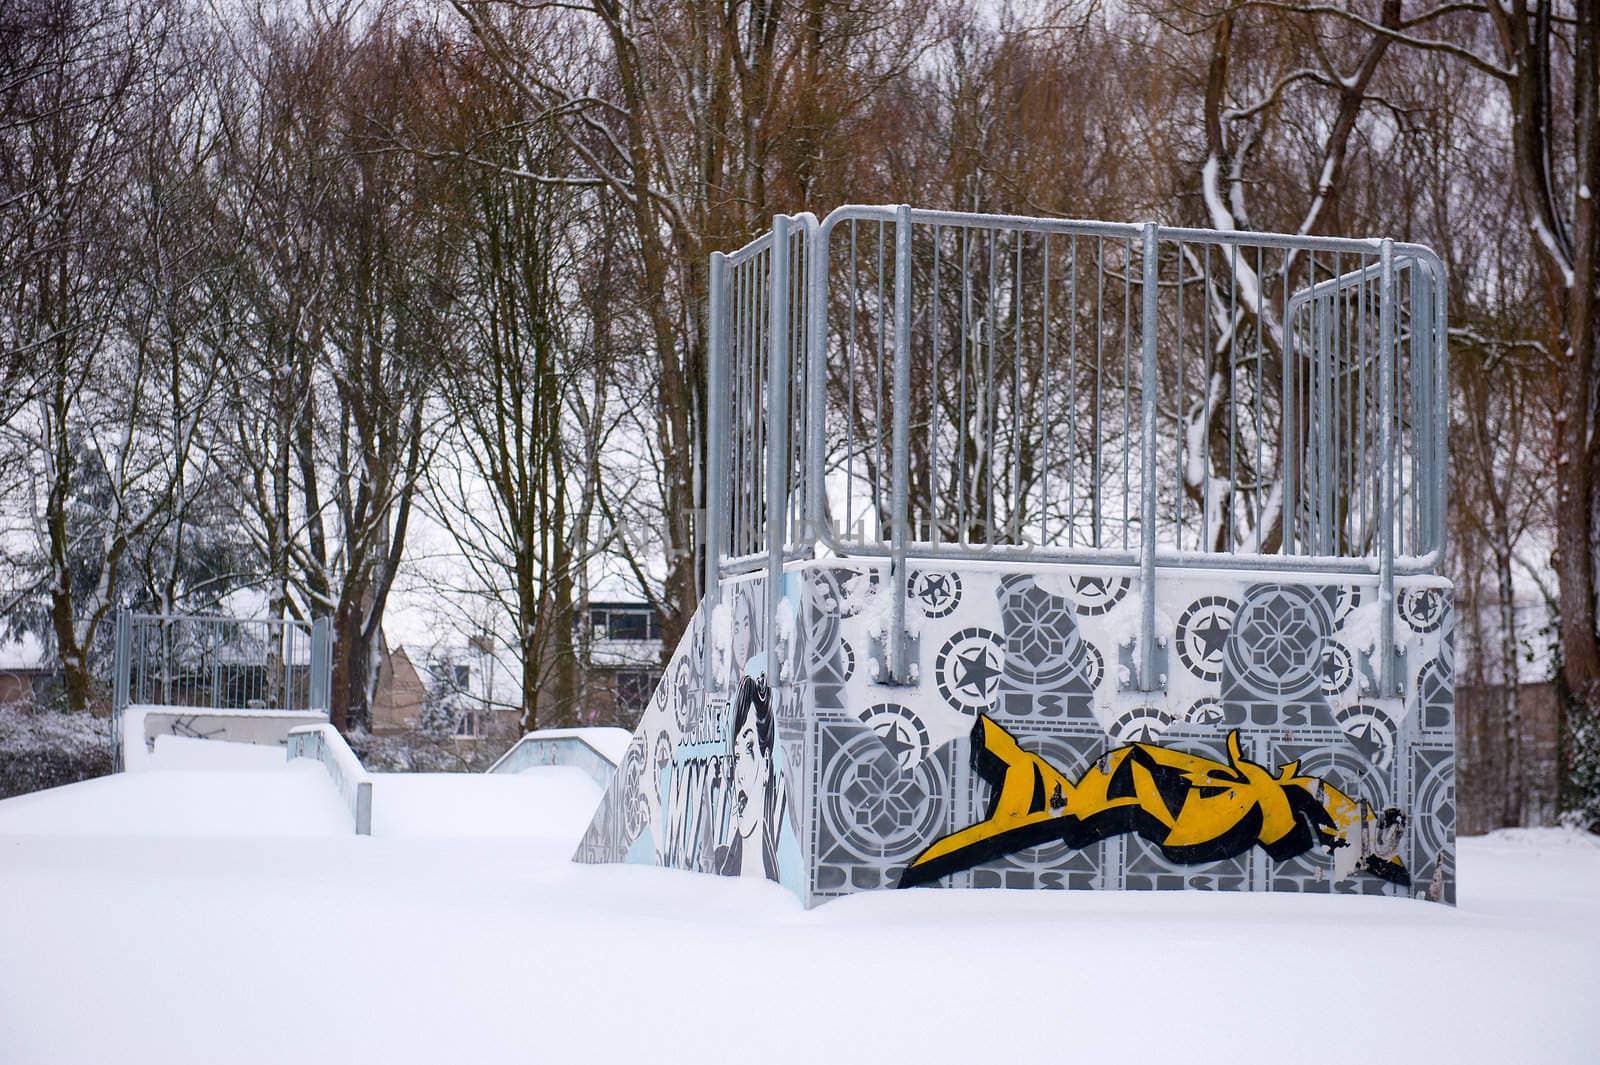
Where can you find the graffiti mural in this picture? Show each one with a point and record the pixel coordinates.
(1022, 756)
(705, 783)
(1191, 807)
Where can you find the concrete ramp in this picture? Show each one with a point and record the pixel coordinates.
(285, 800)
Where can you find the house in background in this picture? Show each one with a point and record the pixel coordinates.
(625, 653)
(471, 690)
(451, 692)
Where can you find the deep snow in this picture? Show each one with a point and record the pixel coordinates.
(209, 916)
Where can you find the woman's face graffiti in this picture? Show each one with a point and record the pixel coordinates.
(752, 772)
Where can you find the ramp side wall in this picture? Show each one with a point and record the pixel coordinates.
(863, 778)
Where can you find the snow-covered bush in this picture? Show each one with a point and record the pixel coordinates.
(421, 752)
(41, 748)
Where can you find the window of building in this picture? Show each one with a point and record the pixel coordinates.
(467, 724)
(463, 676)
(634, 689)
(624, 621)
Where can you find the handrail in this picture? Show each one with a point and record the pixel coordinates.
(1174, 349)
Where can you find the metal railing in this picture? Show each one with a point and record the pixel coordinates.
(221, 663)
(977, 386)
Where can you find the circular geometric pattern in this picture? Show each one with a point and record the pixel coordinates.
(1346, 597)
(1204, 712)
(1142, 724)
(1371, 732)
(1202, 632)
(1434, 813)
(902, 732)
(682, 693)
(1346, 770)
(1094, 665)
(1042, 641)
(847, 661)
(1275, 648)
(1338, 671)
(663, 753)
(968, 669)
(635, 810)
(1092, 596)
(878, 811)
(937, 593)
(1423, 609)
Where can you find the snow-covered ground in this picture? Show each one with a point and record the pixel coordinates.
(210, 916)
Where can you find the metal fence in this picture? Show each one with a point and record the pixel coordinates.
(943, 385)
(221, 663)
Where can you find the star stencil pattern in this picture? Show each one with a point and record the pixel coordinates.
(1203, 632)
(968, 669)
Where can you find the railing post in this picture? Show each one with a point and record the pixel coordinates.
(1290, 491)
(777, 433)
(1441, 408)
(900, 492)
(1386, 484)
(716, 427)
(119, 663)
(816, 378)
(321, 665)
(1147, 679)
(1419, 360)
(119, 687)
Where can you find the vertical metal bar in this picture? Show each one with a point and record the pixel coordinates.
(1323, 361)
(1386, 677)
(877, 410)
(1230, 513)
(1044, 384)
(991, 405)
(1261, 321)
(1362, 474)
(777, 433)
(898, 668)
(816, 382)
(1441, 409)
(1177, 516)
(1127, 386)
(716, 427)
(1072, 401)
(1205, 442)
(850, 388)
(1290, 494)
(321, 665)
(933, 403)
(1147, 458)
(1015, 517)
(962, 527)
(1098, 441)
(119, 663)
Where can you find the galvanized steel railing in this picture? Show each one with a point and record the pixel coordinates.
(981, 386)
(221, 663)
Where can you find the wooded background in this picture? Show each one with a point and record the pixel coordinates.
(278, 281)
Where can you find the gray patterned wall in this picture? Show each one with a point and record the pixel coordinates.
(860, 778)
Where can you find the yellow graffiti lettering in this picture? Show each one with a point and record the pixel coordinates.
(1195, 809)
